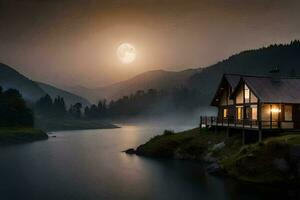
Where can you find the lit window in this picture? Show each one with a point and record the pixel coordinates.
(253, 98)
(275, 110)
(225, 112)
(247, 93)
(239, 97)
(239, 113)
(288, 113)
(254, 112)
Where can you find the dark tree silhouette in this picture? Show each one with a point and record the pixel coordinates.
(59, 107)
(45, 107)
(75, 110)
(13, 110)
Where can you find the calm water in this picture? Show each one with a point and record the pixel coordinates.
(89, 165)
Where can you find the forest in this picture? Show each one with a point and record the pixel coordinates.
(150, 102)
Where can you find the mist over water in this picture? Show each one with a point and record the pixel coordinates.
(177, 121)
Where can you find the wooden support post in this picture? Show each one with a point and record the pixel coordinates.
(244, 137)
(259, 131)
(227, 132)
(216, 129)
(222, 120)
(259, 135)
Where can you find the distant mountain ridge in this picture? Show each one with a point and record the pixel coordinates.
(31, 90)
(286, 57)
(157, 79)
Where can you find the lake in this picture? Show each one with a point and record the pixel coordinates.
(89, 164)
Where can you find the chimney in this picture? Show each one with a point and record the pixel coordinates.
(275, 75)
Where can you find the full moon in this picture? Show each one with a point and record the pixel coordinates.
(126, 53)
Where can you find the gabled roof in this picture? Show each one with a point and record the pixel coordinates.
(231, 79)
(273, 90)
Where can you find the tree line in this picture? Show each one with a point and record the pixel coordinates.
(139, 103)
(15, 112)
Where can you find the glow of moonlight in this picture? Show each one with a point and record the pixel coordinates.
(126, 53)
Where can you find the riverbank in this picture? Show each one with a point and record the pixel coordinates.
(20, 135)
(275, 160)
(72, 124)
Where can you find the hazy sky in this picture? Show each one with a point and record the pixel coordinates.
(74, 42)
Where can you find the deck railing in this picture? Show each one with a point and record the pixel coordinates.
(208, 121)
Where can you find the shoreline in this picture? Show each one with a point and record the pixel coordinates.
(275, 161)
(50, 125)
(21, 135)
(49, 131)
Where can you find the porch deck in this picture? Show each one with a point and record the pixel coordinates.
(210, 121)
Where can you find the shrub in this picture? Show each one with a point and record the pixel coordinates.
(169, 132)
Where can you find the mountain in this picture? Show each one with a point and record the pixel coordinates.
(10, 78)
(68, 97)
(158, 79)
(31, 90)
(285, 57)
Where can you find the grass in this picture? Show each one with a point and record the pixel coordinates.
(192, 143)
(20, 135)
(255, 162)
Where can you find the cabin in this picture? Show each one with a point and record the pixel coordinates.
(223, 100)
(260, 103)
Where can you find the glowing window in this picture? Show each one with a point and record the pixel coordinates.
(254, 112)
(239, 113)
(225, 112)
(247, 94)
(239, 97)
(288, 113)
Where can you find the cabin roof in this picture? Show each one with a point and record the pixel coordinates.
(232, 80)
(274, 90)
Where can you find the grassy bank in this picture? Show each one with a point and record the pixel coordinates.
(20, 135)
(187, 144)
(275, 160)
(71, 124)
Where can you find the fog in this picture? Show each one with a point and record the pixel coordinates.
(172, 120)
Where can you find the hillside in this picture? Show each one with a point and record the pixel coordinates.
(31, 90)
(10, 78)
(158, 79)
(68, 97)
